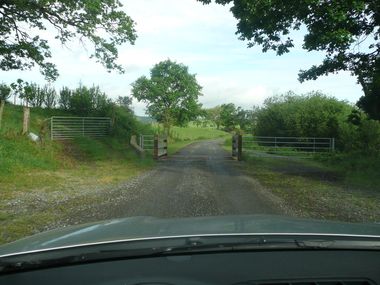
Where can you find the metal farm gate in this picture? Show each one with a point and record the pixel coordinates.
(63, 128)
(280, 146)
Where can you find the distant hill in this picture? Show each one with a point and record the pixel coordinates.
(145, 119)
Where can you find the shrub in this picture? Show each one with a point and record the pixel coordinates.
(50, 96)
(64, 98)
(310, 115)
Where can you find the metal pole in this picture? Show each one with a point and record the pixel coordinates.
(314, 146)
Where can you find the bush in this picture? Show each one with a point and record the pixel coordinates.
(310, 115)
(64, 98)
(50, 96)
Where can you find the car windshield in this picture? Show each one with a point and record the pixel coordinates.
(138, 118)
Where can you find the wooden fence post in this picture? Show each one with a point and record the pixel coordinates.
(155, 148)
(240, 147)
(25, 125)
(233, 146)
(166, 146)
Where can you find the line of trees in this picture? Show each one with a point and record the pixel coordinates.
(228, 117)
(81, 101)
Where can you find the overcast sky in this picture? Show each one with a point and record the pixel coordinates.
(202, 37)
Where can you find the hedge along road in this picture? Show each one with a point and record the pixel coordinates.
(200, 180)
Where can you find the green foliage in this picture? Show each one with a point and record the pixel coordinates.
(20, 156)
(125, 102)
(310, 115)
(194, 133)
(126, 124)
(317, 115)
(231, 117)
(101, 22)
(228, 116)
(371, 101)
(19, 153)
(64, 98)
(213, 114)
(347, 30)
(49, 96)
(85, 101)
(37, 95)
(5, 92)
(171, 93)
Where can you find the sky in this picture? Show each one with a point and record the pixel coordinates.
(203, 38)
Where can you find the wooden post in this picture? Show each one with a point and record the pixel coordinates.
(25, 125)
(333, 144)
(52, 128)
(82, 127)
(2, 104)
(166, 146)
(234, 146)
(155, 148)
(240, 148)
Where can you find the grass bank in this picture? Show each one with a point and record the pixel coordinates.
(315, 189)
(40, 183)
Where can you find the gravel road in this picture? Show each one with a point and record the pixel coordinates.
(200, 180)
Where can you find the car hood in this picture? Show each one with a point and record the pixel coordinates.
(150, 227)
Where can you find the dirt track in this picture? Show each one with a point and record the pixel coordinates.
(200, 180)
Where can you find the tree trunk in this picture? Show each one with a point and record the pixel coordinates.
(25, 125)
(2, 104)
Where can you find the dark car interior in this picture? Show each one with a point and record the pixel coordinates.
(266, 267)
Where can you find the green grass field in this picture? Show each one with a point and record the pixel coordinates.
(194, 133)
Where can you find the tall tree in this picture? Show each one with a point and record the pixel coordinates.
(101, 22)
(171, 94)
(228, 116)
(125, 102)
(50, 96)
(213, 114)
(347, 30)
(64, 98)
(5, 92)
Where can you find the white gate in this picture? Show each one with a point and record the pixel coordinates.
(155, 145)
(146, 142)
(63, 128)
(287, 145)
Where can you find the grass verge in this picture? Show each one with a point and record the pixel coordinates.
(40, 185)
(315, 190)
